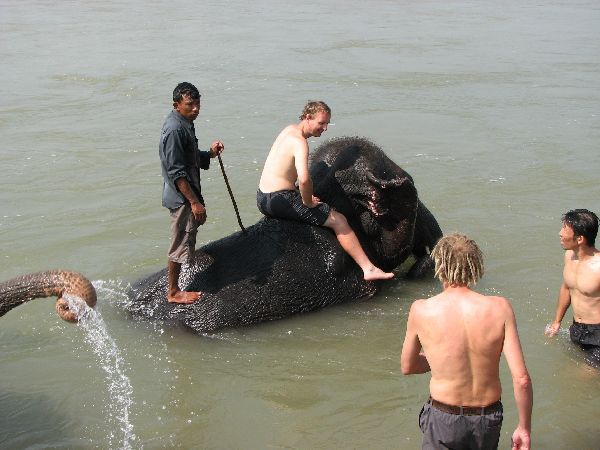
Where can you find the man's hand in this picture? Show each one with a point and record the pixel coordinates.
(199, 212)
(521, 439)
(552, 329)
(216, 148)
(316, 201)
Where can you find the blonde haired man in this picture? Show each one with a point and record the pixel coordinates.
(461, 334)
(278, 196)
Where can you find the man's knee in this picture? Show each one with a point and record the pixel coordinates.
(336, 220)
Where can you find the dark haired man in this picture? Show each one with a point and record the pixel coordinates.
(278, 196)
(581, 281)
(462, 334)
(180, 160)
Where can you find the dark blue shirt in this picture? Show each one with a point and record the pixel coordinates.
(180, 157)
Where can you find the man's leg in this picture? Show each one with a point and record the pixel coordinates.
(349, 242)
(175, 294)
(183, 239)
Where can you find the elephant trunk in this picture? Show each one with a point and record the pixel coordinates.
(53, 283)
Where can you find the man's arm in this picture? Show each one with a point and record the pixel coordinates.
(305, 184)
(563, 303)
(198, 208)
(412, 360)
(522, 387)
(172, 156)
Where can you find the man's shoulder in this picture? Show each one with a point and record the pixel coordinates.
(293, 133)
(425, 306)
(498, 307)
(486, 304)
(291, 140)
(173, 122)
(500, 301)
(595, 261)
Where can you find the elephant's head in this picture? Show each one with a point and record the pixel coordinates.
(377, 197)
(53, 283)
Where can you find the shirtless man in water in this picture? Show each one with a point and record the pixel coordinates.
(581, 281)
(461, 334)
(278, 196)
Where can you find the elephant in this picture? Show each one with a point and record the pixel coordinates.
(277, 268)
(52, 283)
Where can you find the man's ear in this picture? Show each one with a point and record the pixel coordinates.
(580, 240)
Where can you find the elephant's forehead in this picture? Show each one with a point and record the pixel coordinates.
(362, 176)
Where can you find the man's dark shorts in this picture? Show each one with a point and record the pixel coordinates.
(443, 430)
(587, 336)
(287, 204)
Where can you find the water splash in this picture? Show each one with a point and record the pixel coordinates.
(109, 358)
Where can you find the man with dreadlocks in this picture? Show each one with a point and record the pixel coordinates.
(459, 335)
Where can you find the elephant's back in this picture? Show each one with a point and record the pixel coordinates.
(275, 269)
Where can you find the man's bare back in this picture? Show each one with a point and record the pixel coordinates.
(462, 333)
(280, 168)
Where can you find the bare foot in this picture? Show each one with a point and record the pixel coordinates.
(377, 274)
(184, 297)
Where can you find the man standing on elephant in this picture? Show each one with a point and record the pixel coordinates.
(462, 334)
(286, 164)
(180, 162)
(581, 281)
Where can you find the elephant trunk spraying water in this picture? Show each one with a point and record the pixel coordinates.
(53, 283)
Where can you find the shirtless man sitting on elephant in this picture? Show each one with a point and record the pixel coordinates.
(286, 164)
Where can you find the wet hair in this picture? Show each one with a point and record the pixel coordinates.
(458, 260)
(314, 107)
(185, 89)
(583, 223)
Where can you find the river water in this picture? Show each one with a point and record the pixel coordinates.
(493, 107)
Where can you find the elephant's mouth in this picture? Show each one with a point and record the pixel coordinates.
(377, 209)
(372, 207)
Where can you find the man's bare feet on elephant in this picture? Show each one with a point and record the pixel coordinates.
(375, 273)
(184, 297)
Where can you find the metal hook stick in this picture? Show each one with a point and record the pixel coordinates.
(237, 213)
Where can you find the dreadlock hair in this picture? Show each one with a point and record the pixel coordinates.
(458, 260)
(314, 107)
